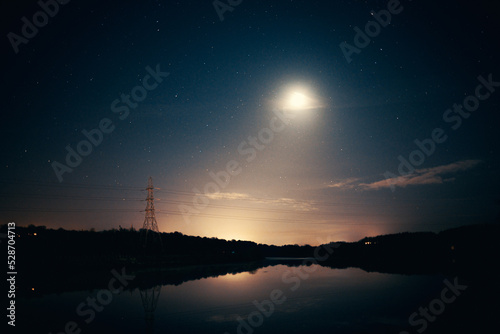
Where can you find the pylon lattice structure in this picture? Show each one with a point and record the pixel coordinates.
(150, 224)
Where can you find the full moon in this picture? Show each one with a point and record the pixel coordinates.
(297, 98)
(297, 101)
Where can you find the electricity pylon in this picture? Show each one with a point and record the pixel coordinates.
(149, 299)
(150, 225)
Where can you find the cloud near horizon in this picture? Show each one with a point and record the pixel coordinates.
(345, 184)
(423, 176)
(288, 202)
(433, 175)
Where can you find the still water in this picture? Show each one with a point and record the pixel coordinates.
(276, 298)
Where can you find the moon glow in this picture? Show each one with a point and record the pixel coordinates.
(297, 101)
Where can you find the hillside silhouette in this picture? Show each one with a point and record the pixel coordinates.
(472, 247)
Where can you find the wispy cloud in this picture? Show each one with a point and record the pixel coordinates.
(423, 176)
(283, 201)
(349, 183)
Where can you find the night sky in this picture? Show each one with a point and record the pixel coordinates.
(304, 124)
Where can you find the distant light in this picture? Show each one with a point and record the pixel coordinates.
(34, 233)
(32, 289)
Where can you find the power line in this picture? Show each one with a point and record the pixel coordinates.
(193, 194)
(311, 211)
(69, 185)
(65, 210)
(65, 197)
(208, 215)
